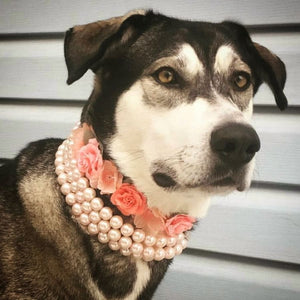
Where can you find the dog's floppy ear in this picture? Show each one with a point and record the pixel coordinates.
(86, 44)
(269, 66)
(273, 73)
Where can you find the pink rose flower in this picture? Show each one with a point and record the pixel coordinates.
(109, 178)
(129, 200)
(179, 224)
(89, 159)
(78, 138)
(152, 221)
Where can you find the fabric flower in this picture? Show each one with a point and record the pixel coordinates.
(151, 221)
(129, 200)
(179, 224)
(109, 178)
(89, 159)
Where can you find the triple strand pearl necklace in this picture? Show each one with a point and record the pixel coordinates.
(99, 220)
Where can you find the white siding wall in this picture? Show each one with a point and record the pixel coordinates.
(248, 247)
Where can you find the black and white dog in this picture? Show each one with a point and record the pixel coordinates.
(171, 106)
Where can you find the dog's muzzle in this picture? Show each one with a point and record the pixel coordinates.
(235, 144)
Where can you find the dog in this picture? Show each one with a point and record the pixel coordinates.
(171, 107)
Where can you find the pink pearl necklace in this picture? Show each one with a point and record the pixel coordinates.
(99, 220)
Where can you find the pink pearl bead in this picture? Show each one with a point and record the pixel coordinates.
(59, 153)
(138, 235)
(76, 209)
(62, 178)
(106, 213)
(150, 240)
(65, 188)
(76, 175)
(96, 204)
(114, 245)
(127, 229)
(58, 161)
(73, 163)
(74, 187)
(84, 219)
(70, 199)
(184, 243)
(159, 254)
(148, 253)
(86, 207)
(94, 217)
(180, 236)
(82, 183)
(125, 252)
(89, 194)
(171, 241)
(103, 237)
(93, 228)
(67, 166)
(116, 222)
(161, 242)
(125, 242)
(79, 197)
(178, 249)
(69, 176)
(170, 252)
(104, 226)
(59, 169)
(61, 147)
(114, 235)
(137, 248)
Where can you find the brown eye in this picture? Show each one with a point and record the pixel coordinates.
(165, 75)
(241, 81)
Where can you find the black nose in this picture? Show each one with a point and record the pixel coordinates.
(235, 143)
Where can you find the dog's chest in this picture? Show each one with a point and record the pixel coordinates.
(119, 277)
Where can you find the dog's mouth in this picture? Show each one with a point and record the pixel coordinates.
(237, 182)
(227, 181)
(165, 181)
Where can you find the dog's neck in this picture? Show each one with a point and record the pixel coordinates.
(108, 205)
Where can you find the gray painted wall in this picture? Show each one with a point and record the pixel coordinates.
(248, 247)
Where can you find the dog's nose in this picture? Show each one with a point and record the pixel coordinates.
(235, 143)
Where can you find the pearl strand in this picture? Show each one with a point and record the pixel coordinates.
(99, 220)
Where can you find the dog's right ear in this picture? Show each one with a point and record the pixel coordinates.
(86, 44)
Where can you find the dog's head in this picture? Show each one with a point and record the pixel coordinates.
(172, 102)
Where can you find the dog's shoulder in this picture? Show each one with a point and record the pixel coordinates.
(37, 158)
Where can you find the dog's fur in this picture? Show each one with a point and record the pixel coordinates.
(146, 127)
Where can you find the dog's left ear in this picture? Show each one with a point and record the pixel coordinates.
(273, 73)
(269, 67)
(87, 44)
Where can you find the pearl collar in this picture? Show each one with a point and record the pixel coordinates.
(96, 219)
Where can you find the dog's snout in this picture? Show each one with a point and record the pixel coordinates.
(235, 143)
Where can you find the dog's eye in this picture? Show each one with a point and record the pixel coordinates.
(241, 81)
(165, 75)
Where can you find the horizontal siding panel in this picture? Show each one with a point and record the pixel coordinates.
(42, 78)
(279, 133)
(36, 69)
(21, 124)
(279, 157)
(221, 278)
(56, 16)
(261, 223)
